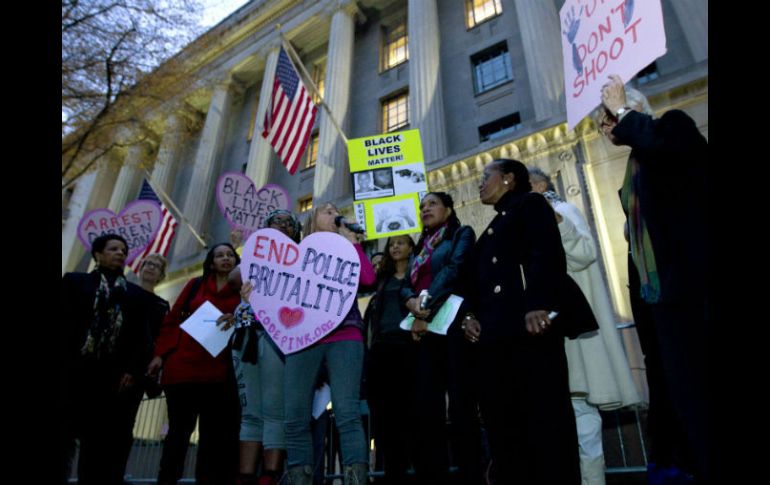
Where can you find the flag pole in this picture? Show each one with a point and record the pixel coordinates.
(290, 50)
(171, 204)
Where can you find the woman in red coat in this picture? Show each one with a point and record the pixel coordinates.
(197, 384)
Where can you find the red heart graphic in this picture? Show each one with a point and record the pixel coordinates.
(291, 317)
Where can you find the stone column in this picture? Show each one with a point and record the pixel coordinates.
(541, 39)
(693, 16)
(129, 178)
(260, 164)
(332, 172)
(167, 162)
(426, 103)
(205, 171)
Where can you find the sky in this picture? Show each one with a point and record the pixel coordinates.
(217, 10)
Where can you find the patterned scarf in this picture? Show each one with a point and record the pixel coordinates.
(638, 237)
(552, 197)
(108, 318)
(427, 251)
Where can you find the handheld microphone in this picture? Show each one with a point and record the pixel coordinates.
(352, 226)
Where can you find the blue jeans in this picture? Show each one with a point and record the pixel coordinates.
(344, 362)
(260, 388)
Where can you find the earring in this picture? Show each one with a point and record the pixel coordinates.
(505, 182)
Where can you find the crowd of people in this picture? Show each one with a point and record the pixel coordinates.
(510, 393)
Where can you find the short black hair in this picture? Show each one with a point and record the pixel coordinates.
(519, 171)
(98, 245)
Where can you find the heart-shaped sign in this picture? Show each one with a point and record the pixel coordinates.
(138, 223)
(244, 206)
(301, 291)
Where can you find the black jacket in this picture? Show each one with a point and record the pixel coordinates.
(673, 196)
(134, 344)
(518, 265)
(446, 264)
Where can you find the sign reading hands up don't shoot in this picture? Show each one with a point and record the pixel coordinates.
(301, 291)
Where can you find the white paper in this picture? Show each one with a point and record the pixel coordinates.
(202, 326)
(443, 318)
(321, 399)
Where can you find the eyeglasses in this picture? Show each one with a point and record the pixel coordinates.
(282, 222)
(486, 175)
(153, 264)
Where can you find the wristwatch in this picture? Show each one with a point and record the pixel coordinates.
(622, 111)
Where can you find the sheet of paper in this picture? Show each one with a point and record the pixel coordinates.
(443, 319)
(202, 326)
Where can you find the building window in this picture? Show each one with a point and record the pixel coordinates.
(500, 128)
(395, 112)
(478, 11)
(491, 68)
(312, 151)
(395, 48)
(319, 78)
(649, 73)
(305, 203)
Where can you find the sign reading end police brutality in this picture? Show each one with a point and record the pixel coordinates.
(138, 223)
(244, 206)
(388, 176)
(301, 291)
(603, 37)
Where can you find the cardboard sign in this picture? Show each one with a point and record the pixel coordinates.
(389, 179)
(138, 223)
(301, 292)
(600, 38)
(246, 207)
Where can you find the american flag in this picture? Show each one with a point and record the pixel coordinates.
(162, 241)
(290, 116)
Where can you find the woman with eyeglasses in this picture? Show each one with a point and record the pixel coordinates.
(152, 270)
(259, 370)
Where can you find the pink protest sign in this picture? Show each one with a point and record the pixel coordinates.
(301, 291)
(603, 37)
(244, 206)
(138, 223)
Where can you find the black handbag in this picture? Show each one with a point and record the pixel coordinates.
(575, 315)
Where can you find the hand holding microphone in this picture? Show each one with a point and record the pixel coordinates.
(340, 221)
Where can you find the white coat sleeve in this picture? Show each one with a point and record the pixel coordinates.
(576, 238)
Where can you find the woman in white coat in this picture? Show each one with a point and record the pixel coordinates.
(599, 373)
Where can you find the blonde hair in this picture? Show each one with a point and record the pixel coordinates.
(311, 227)
(158, 258)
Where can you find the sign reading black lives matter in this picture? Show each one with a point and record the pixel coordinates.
(244, 206)
(389, 180)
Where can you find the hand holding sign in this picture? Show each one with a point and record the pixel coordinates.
(301, 292)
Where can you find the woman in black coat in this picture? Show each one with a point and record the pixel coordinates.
(518, 272)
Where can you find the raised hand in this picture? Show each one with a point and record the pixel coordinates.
(572, 24)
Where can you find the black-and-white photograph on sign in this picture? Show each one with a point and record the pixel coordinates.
(394, 215)
(373, 184)
(409, 178)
